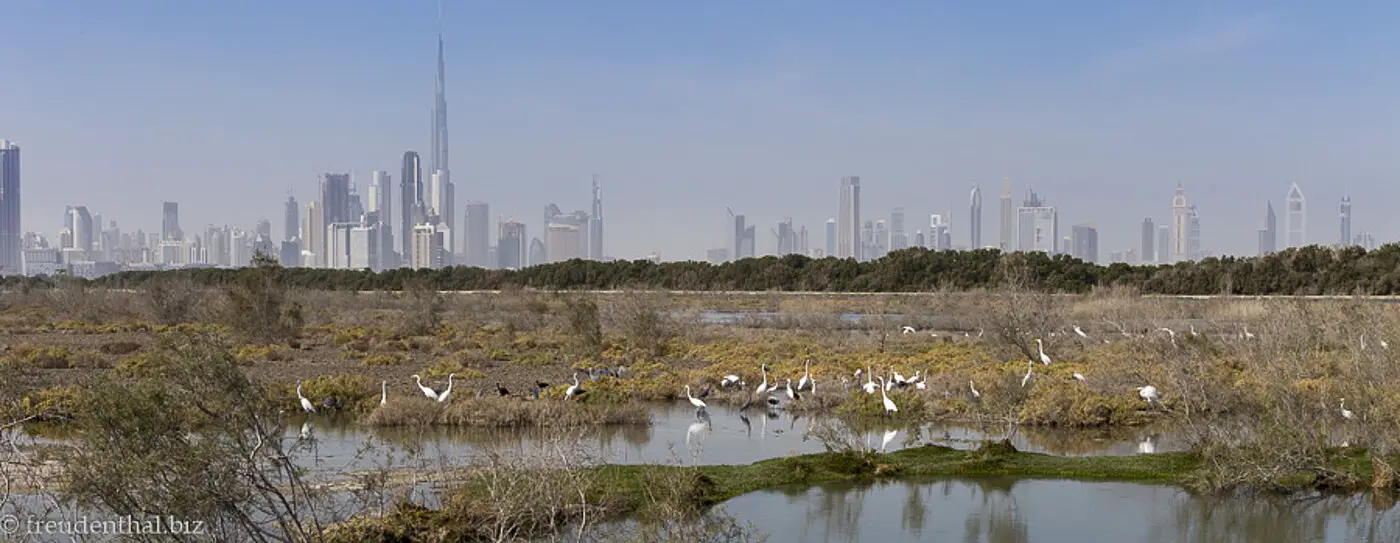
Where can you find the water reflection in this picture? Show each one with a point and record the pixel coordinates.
(1003, 510)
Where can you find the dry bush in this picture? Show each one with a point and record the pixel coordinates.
(173, 299)
(1017, 315)
(644, 318)
(72, 299)
(258, 306)
(585, 325)
(423, 313)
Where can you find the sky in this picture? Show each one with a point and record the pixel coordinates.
(684, 108)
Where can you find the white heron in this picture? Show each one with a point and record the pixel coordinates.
(1044, 358)
(1169, 332)
(574, 389)
(1149, 394)
(730, 380)
(897, 378)
(869, 386)
(1080, 331)
(762, 387)
(383, 392)
(305, 430)
(908, 330)
(1247, 333)
(1030, 365)
(792, 394)
(973, 388)
(806, 380)
(1080, 377)
(442, 396)
(1385, 345)
(697, 402)
(890, 408)
(1346, 413)
(1193, 330)
(427, 391)
(305, 403)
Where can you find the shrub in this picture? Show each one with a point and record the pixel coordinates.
(258, 307)
(30, 357)
(119, 347)
(384, 360)
(584, 324)
(173, 299)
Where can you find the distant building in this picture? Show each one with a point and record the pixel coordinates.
(1085, 242)
(42, 262)
(939, 236)
(11, 229)
(170, 222)
(478, 234)
(898, 238)
(848, 240)
(1149, 237)
(1164, 245)
(427, 247)
(537, 253)
(831, 237)
(717, 256)
(1008, 218)
(511, 247)
(366, 241)
(974, 232)
(1268, 235)
(1180, 225)
(1344, 211)
(1038, 227)
(1295, 220)
(562, 242)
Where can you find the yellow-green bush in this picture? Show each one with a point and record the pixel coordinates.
(54, 403)
(142, 365)
(29, 357)
(273, 352)
(356, 392)
(385, 360)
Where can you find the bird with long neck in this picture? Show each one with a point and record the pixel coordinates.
(427, 391)
(305, 403)
(762, 387)
(383, 392)
(442, 397)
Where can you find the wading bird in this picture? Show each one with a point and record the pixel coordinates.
(442, 396)
(573, 389)
(500, 389)
(427, 391)
(890, 408)
(762, 387)
(806, 380)
(908, 330)
(697, 402)
(1149, 394)
(305, 403)
(869, 386)
(1080, 331)
(730, 380)
(792, 394)
(383, 392)
(973, 387)
(1346, 413)
(1080, 377)
(1030, 365)
(1044, 358)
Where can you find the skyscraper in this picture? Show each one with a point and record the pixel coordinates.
(1268, 235)
(975, 214)
(291, 217)
(439, 153)
(1193, 234)
(831, 237)
(381, 196)
(1038, 227)
(1180, 225)
(79, 222)
(441, 198)
(1295, 220)
(410, 205)
(1164, 244)
(1345, 210)
(848, 238)
(898, 238)
(478, 234)
(170, 222)
(1084, 242)
(11, 232)
(313, 247)
(335, 207)
(595, 223)
(511, 247)
(1008, 218)
(1149, 235)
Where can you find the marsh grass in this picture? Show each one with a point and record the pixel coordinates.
(498, 412)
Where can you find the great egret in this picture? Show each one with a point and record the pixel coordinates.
(730, 380)
(898, 379)
(1385, 345)
(762, 387)
(1030, 365)
(1247, 333)
(697, 402)
(1346, 413)
(792, 394)
(1080, 331)
(908, 329)
(973, 387)
(573, 389)
(806, 376)
(305, 403)
(1080, 377)
(1193, 330)
(1149, 393)
(442, 396)
(383, 392)
(1044, 358)
(869, 386)
(890, 408)
(427, 391)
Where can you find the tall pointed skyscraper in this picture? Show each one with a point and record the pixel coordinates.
(1008, 216)
(439, 152)
(975, 215)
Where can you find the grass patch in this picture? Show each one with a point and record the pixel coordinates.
(497, 412)
(384, 360)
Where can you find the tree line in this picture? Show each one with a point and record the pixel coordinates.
(1306, 270)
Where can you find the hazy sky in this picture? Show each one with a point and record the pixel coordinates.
(686, 107)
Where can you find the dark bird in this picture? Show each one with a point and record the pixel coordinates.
(501, 390)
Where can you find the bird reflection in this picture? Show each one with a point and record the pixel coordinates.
(885, 441)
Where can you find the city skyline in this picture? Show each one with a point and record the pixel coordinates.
(529, 145)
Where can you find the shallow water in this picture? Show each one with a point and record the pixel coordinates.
(678, 436)
(1004, 510)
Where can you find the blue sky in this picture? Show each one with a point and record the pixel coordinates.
(684, 108)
